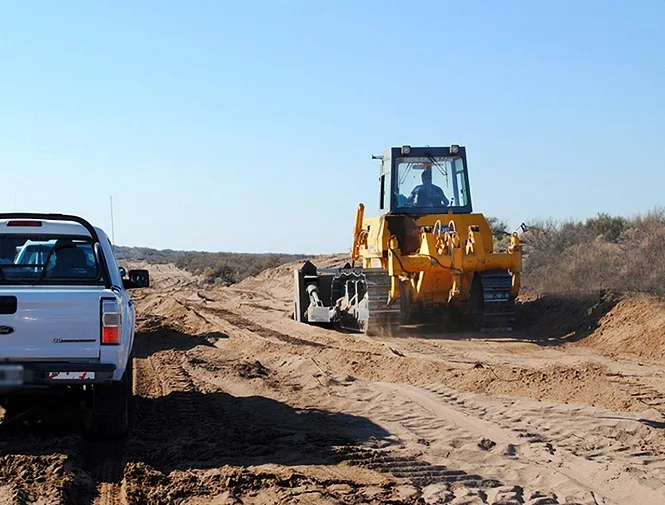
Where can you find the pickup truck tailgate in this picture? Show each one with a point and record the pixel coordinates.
(50, 323)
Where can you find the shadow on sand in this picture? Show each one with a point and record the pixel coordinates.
(548, 320)
(194, 429)
(190, 429)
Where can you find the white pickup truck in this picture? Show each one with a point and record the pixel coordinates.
(66, 317)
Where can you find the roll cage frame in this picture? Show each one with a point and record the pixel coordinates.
(96, 244)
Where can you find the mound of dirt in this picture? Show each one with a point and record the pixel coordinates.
(561, 317)
(614, 325)
(178, 315)
(279, 281)
(586, 383)
(635, 326)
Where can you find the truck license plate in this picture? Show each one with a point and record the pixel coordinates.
(11, 375)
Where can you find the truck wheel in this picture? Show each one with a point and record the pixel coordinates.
(108, 412)
(15, 405)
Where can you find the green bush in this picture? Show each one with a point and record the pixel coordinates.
(610, 227)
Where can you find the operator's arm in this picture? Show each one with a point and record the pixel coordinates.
(414, 194)
(441, 198)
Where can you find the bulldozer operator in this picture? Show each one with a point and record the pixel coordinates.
(427, 194)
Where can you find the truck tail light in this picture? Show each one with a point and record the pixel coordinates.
(111, 321)
(35, 224)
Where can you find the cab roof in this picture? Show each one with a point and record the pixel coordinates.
(45, 227)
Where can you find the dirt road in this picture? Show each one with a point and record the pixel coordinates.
(236, 403)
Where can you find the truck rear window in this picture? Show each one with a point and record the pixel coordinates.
(48, 260)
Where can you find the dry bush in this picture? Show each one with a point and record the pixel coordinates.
(500, 233)
(217, 268)
(229, 268)
(144, 254)
(602, 253)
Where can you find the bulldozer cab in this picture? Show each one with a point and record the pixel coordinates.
(425, 180)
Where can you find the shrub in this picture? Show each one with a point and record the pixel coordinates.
(601, 253)
(218, 268)
(498, 226)
(610, 227)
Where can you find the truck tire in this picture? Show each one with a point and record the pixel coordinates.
(109, 409)
(15, 405)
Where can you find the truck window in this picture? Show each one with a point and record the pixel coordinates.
(48, 260)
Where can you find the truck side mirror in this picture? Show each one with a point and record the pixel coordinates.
(123, 272)
(137, 279)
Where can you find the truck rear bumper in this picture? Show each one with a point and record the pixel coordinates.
(29, 375)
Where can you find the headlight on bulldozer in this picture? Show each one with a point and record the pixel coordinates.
(454, 149)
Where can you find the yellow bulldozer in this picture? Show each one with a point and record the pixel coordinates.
(426, 255)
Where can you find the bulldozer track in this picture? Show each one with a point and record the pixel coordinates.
(498, 306)
(498, 310)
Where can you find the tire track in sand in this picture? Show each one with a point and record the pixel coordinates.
(105, 462)
(465, 416)
(106, 465)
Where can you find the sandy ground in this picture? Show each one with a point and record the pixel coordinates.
(236, 403)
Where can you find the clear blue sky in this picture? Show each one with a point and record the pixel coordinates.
(248, 126)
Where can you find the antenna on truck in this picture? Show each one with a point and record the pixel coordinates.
(112, 223)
